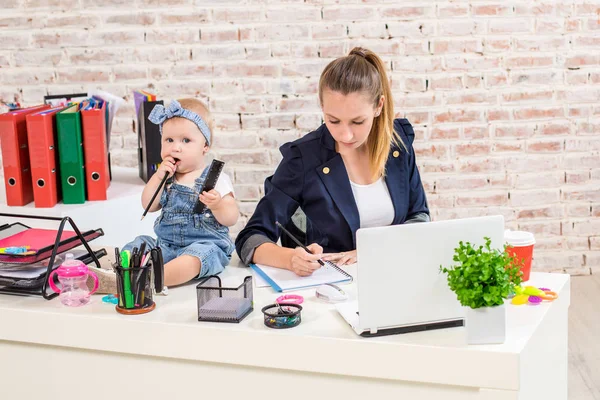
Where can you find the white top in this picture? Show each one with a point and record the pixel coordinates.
(375, 207)
(223, 186)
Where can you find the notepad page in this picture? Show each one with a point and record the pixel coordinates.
(35, 270)
(288, 280)
(225, 308)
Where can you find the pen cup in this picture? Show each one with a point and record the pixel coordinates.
(134, 289)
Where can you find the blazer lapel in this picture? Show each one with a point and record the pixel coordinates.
(335, 178)
(394, 180)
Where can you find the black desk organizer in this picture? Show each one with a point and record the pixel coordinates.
(224, 304)
(43, 291)
(148, 141)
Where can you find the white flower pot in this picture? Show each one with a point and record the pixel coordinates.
(486, 325)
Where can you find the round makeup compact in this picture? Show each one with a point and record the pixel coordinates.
(282, 316)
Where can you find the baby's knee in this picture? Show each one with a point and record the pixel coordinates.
(138, 241)
(214, 263)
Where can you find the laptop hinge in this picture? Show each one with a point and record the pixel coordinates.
(413, 328)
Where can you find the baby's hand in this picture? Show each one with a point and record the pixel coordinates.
(211, 199)
(168, 166)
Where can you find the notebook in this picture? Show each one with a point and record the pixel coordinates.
(283, 280)
(40, 241)
(225, 308)
(35, 238)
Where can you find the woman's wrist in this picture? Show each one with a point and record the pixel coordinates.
(274, 255)
(290, 256)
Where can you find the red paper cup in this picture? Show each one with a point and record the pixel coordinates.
(521, 246)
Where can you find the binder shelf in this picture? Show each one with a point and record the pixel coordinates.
(219, 304)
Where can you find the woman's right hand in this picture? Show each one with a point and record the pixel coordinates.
(303, 263)
(168, 166)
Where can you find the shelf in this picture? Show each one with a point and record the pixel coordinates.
(119, 216)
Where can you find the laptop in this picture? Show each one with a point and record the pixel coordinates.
(400, 286)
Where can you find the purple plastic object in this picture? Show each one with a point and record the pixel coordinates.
(544, 289)
(535, 300)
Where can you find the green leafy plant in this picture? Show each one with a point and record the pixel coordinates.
(482, 276)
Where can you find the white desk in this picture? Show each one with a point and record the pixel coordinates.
(118, 216)
(97, 353)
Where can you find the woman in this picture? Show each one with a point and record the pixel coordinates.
(357, 170)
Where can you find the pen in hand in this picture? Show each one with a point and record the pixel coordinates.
(297, 241)
(164, 179)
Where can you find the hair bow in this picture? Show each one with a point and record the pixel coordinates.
(161, 113)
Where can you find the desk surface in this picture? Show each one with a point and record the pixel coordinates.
(323, 342)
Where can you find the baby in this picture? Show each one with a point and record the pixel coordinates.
(193, 245)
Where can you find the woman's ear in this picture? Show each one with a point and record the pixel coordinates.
(379, 106)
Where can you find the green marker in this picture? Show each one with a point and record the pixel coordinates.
(125, 255)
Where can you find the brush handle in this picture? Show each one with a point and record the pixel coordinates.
(210, 182)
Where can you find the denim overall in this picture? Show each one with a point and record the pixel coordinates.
(180, 231)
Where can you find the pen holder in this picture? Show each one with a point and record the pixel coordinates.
(282, 316)
(219, 304)
(134, 287)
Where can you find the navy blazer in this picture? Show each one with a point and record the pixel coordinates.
(312, 176)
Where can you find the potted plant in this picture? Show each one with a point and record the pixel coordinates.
(482, 278)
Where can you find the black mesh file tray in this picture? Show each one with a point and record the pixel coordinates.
(33, 276)
(44, 251)
(32, 287)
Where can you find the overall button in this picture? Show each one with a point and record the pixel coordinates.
(326, 170)
(396, 153)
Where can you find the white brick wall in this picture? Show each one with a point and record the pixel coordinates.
(504, 95)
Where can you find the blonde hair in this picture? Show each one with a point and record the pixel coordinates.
(200, 108)
(363, 71)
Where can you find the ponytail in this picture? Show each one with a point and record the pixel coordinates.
(363, 71)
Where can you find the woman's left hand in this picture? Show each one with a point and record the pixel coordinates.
(345, 258)
(211, 199)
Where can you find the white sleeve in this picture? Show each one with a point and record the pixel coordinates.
(224, 185)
